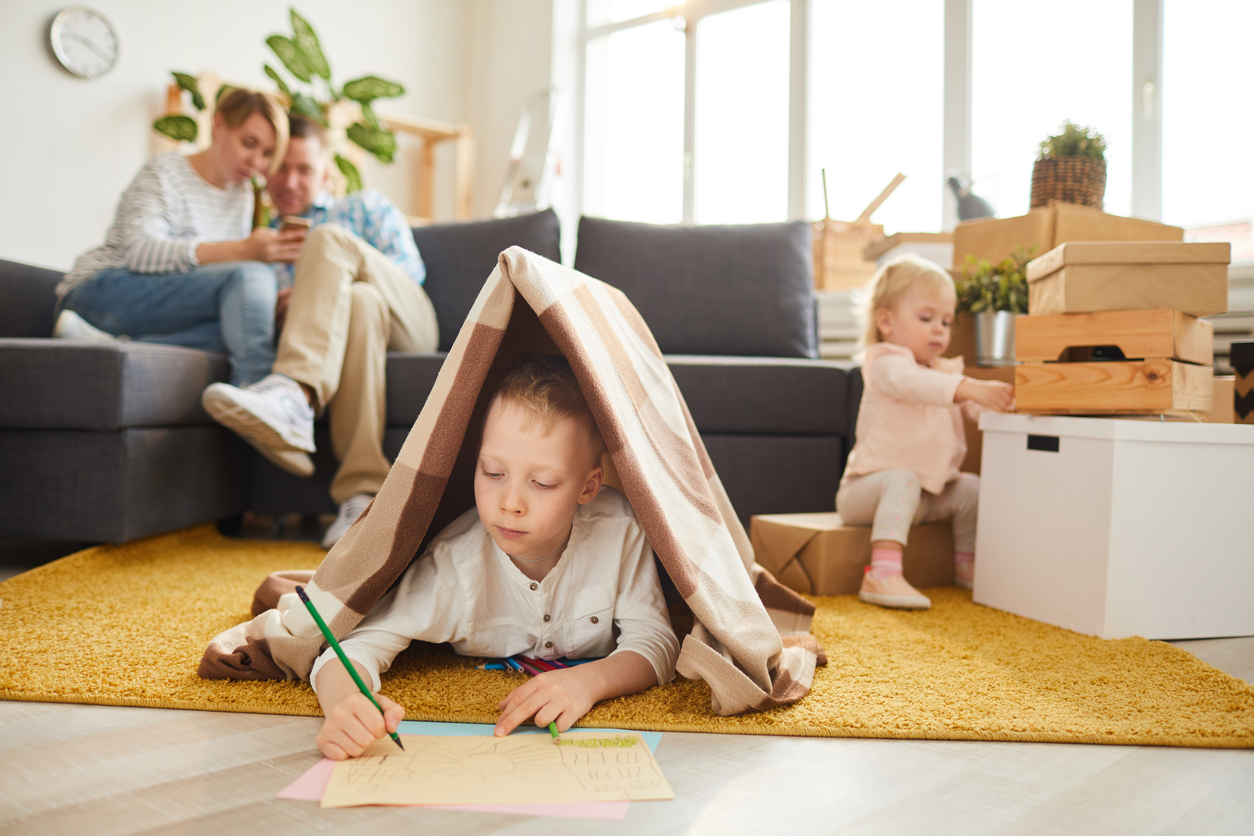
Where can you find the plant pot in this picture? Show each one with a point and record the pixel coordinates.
(1079, 180)
(995, 338)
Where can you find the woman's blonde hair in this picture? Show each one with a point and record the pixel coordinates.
(239, 103)
(886, 288)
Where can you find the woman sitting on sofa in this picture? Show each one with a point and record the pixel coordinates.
(181, 264)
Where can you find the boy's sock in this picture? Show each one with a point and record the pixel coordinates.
(884, 562)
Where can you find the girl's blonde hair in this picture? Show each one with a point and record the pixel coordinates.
(886, 288)
(239, 103)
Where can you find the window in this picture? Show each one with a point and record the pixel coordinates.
(1208, 123)
(876, 108)
(1031, 69)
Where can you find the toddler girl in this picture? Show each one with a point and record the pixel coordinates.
(910, 440)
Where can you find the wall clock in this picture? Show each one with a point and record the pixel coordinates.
(83, 41)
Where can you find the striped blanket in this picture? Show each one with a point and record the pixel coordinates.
(750, 639)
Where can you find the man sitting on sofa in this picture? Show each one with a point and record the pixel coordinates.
(354, 292)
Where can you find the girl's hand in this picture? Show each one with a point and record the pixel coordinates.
(267, 245)
(354, 723)
(994, 394)
(562, 696)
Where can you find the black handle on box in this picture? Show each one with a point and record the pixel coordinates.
(1044, 443)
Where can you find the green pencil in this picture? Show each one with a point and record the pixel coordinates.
(553, 731)
(326, 632)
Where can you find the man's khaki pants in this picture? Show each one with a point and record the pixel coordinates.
(349, 305)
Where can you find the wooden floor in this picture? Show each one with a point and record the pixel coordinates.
(67, 769)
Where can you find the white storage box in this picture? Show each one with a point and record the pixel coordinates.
(1117, 527)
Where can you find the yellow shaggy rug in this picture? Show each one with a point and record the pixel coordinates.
(126, 625)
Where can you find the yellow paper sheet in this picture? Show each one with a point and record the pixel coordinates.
(527, 768)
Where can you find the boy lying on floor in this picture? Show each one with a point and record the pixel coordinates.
(548, 564)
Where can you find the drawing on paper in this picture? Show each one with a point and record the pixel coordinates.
(519, 768)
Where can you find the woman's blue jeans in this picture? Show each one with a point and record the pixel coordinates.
(227, 308)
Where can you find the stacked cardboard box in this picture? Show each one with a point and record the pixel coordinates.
(1113, 328)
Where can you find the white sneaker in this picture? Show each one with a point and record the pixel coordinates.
(272, 415)
(71, 326)
(350, 510)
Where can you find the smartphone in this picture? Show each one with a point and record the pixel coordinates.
(294, 222)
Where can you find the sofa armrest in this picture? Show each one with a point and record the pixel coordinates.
(27, 299)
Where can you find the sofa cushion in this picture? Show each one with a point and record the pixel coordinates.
(459, 258)
(59, 384)
(771, 396)
(410, 379)
(732, 290)
(27, 298)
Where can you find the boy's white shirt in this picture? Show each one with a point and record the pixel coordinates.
(465, 591)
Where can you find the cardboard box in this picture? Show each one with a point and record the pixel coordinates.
(937, 247)
(1118, 528)
(1088, 276)
(995, 239)
(1222, 410)
(1131, 387)
(1160, 334)
(817, 554)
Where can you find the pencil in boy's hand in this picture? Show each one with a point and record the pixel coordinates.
(553, 731)
(326, 633)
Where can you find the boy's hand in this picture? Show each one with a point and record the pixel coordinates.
(354, 723)
(994, 394)
(561, 696)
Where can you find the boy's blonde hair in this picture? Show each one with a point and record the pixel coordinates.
(239, 103)
(545, 387)
(888, 285)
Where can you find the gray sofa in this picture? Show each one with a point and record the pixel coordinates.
(107, 443)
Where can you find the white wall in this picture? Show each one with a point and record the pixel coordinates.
(69, 147)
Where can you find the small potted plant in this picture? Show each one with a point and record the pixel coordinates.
(1070, 168)
(993, 294)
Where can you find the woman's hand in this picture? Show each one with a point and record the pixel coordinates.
(267, 245)
(561, 696)
(994, 394)
(354, 723)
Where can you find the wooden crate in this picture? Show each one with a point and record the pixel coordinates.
(1090, 276)
(995, 239)
(1133, 387)
(1221, 405)
(838, 246)
(818, 554)
(1160, 334)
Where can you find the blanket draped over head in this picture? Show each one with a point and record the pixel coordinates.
(750, 639)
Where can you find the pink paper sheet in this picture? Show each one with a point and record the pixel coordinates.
(311, 786)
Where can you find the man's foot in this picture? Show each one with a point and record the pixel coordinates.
(71, 326)
(272, 415)
(964, 574)
(892, 591)
(350, 510)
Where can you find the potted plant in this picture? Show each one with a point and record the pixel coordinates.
(993, 294)
(301, 54)
(1071, 168)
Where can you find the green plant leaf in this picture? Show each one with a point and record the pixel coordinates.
(222, 91)
(307, 42)
(380, 143)
(278, 79)
(291, 56)
(1074, 140)
(368, 88)
(306, 105)
(369, 117)
(350, 172)
(179, 128)
(188, 83)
